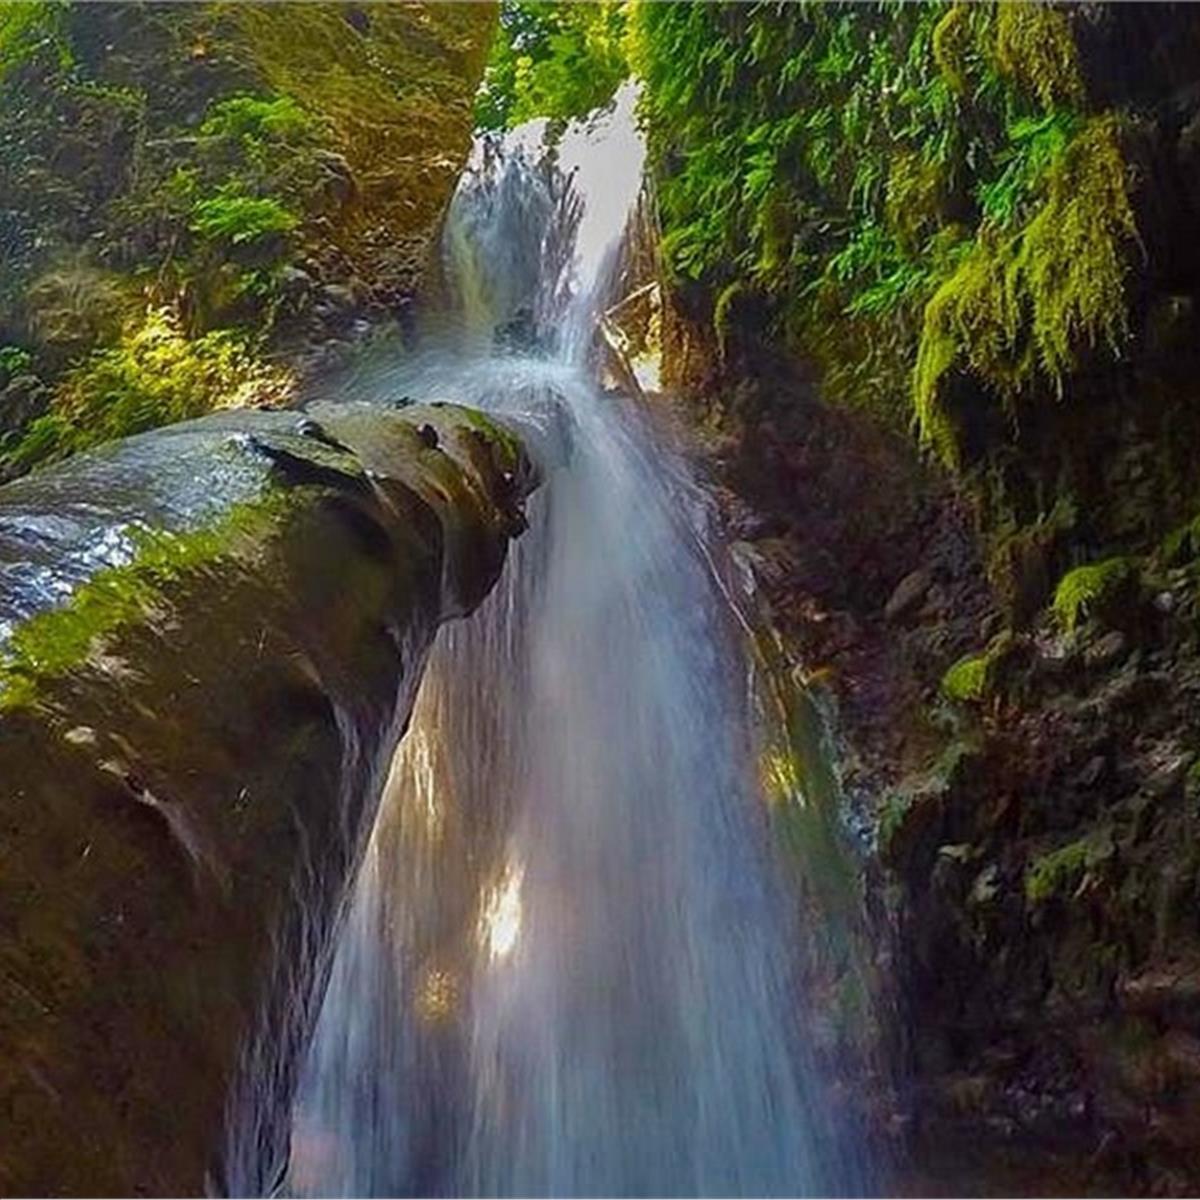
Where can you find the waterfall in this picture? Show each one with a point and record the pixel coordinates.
(567, 967)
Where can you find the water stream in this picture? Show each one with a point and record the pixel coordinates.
(567, 967)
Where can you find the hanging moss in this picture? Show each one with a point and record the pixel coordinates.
(913, 191)
(1053, 873)
(722, 311)
(1034, 48)
(1072, 258)
(1029, 301)
(973, 319)
(953, 42)
(914, 198)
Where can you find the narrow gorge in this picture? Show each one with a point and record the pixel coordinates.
(599, 599)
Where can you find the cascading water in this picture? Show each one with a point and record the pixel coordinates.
(566, 969)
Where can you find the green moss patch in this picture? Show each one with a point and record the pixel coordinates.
(967, 679)
(1081, 591)
(1025, 302)
(53, 642)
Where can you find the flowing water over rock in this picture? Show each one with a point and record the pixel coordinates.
(567, 968)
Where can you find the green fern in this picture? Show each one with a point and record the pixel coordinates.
(236, 217)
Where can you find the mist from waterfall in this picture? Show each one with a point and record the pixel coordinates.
(567, 967)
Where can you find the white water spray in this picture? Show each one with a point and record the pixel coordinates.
(567, 966)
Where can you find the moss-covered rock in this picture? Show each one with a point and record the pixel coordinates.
(218, 181)
(210, 637)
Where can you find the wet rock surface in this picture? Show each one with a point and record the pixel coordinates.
(210, 638)
(1027, 850)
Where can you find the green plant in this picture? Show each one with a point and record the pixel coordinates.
(236, 217)
(14, 360)
(914, 192)
(26, 26)
(152, 376)
(1023, 303)
(1034, 145)
(1080, 591)
(1181, 543)
(256, 119)
(1052, 873)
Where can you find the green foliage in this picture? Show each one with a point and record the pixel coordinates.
(913, 190)
(154, 375)
(1080, 591)
(14, 360)
(1052, 874)
(1180, 544)
(181, 157)
(967, 679)
(1034, 145)
(25, 27)
(557, 60)
(1022, 302)
(257, 119)
(237, 217)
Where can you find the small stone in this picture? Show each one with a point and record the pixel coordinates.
(357, 17)
(428, 436)
(1167, 777)
(986, 886)
(295, 279)
(337, 296)
(956, 851)
(990, 625)
(1092, 771)
(1106, 651)
(936, 602)
(1165, 602)
(908, 594)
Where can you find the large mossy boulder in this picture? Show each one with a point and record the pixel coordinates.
(210, 639)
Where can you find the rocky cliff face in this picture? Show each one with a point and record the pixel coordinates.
(201, 203)
(1011, 653)
(210, 637)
